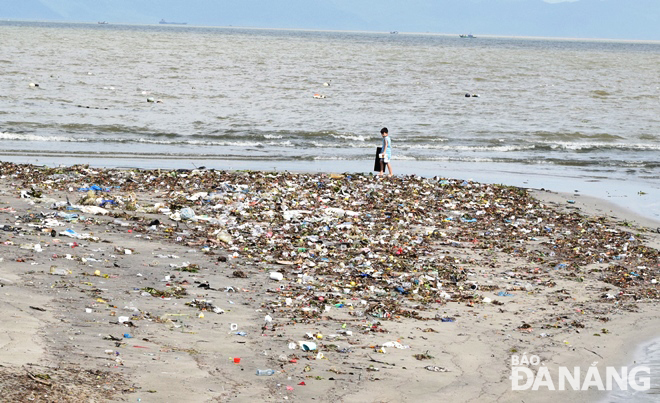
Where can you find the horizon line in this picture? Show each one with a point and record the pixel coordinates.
(188, 25)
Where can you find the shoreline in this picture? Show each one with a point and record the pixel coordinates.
(440, 290)
(640, 357)
(594, 206)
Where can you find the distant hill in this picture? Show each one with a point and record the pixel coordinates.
(618, 19)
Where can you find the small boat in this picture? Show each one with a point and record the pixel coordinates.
(172, 23)
(467, 36)
(103, 22)
(394, 32)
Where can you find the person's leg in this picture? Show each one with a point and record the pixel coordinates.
(382, 167)
(389, 168)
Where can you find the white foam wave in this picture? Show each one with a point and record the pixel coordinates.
(464, 159)
(402, 157)
(204, 142)
(506, 148)
(586, 146)
(328, 158)
(36, 137)
(351, 137)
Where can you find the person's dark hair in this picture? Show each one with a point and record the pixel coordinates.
(384, 130)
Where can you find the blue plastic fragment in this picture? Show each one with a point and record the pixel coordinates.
(400, 290)
(97, 188)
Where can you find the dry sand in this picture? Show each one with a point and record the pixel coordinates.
(116, 323)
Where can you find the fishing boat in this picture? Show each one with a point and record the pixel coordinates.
(467, 36)
(172, 23)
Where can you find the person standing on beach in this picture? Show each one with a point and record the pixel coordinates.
(386, 152)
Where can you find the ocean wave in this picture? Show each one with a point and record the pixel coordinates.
(649, 168)
(550, 145)
(449, 147)
(421, 139)
(598, 163)
(403, 157)
(596, 148)
(574, 135)
(329, 158)
(153, 156)
(261, 140)
(465, 159)
(352, 137)
(39, 138)
(200, 142)
(142, 140)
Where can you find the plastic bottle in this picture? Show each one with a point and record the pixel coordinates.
(265, 372)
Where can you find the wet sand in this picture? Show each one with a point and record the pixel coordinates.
(411, 288)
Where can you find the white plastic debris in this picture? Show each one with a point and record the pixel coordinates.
(93, 210)
(395, 344)
(187, 213)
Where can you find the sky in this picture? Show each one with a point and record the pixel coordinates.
(608, 19)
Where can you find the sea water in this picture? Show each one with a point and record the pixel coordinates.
(648, 355)
(566, 115)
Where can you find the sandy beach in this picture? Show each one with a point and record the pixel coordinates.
(178, 286)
